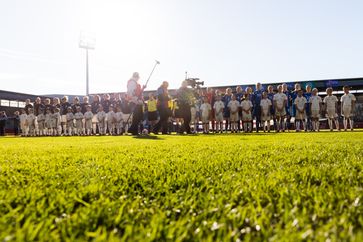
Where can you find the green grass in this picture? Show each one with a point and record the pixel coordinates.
(276, 187)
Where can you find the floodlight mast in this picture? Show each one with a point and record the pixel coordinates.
(88, 43)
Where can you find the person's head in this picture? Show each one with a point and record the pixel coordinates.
(56, 101)
(110, 108)
(258, 86)
(218, 93)
(31, 110)
(69, 110)
(270, 89)
(280, 88)
(346, 89)
(209, 90)
(96, 98)
(76, 100)
(100, 108)
(300, 93)
(233, 97)
(329, 91)
(248, 90)
(27, 101)
(47, 101)
(151, 96)
(315, 91)
(264, 95)
(239, 89)
(165, 84)
(64, 99)
(135, 76)
(297, 87)
(38, 100)
(48, 111)
(22, 111)
(89, 108)
(229, 91)
(85, 99)
(284, 87)
(205, 99)
(106, 96)
(16, 113)
(118, 109)
(308, 88)
(56, 110)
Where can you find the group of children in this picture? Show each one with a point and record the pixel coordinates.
(278, 109)
(234, 112)
(73, 122)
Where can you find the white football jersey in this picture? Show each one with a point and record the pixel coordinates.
(265, 104)
(315, 102)
(205, 108)
(246, 104)
(347, 99)
(218, 106)
(233, 105)
(300, 102)
(330, 101)
(279, 98)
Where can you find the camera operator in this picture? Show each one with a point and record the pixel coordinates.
(185, 98)
(163, 109)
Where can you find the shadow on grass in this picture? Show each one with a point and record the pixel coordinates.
(151, 137)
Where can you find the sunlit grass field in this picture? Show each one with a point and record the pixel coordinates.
(255, 187)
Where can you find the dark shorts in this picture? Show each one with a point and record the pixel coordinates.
(152, 116)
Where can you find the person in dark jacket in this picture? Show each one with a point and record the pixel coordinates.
(3, 119)
(16, 122)
(163, 108)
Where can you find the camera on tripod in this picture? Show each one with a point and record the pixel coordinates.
(195, 83)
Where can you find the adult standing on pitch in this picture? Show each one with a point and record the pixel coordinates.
(257, 96)
(3, 119)
(163, 108)
(134, 93)
(185, 98)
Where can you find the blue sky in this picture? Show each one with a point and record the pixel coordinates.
(221, 42)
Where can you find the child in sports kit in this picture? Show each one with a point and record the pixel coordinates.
(266, 105)
(118, 120)
(315, 109)
(101, 116)
(57, 122)
(331, 103)
(288, 105)
(206, 110)
(247, 106)
(218, 112)
(308, 95)
(23, 123)
(48, 121)
(300, 108)
(233, 106)
(280, 100)
(69, 121)
(31, 118)
(110, 119)
(152, 114)
(270, 96)
(41, 123)
(78, 116)
(347, 107)
(88, 119)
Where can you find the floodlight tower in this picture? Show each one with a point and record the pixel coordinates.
(87, 41)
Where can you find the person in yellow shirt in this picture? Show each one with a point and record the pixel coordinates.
(152, 114)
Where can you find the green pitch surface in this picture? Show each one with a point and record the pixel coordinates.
(276, 187)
